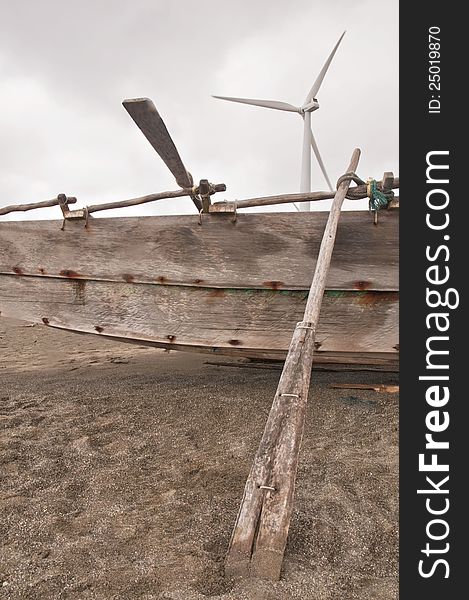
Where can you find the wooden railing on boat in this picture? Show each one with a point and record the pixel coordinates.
(205, 190)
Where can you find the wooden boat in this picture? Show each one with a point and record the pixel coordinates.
(220, 281)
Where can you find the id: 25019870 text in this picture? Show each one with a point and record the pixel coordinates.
(434, 77)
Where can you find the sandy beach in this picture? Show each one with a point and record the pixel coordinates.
(123, 469)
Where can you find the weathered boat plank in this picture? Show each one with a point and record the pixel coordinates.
(192, 316)
(270, 250)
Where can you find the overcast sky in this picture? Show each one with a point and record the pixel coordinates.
(66, 66)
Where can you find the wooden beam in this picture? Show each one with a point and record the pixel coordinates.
(377, 387)
(260, 534)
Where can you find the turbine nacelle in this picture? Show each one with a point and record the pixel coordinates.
(309, 106)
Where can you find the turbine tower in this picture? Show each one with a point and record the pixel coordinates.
(310, 105)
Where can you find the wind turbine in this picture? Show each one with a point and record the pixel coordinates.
(310, 105)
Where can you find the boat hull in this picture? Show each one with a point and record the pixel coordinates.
(225, 287)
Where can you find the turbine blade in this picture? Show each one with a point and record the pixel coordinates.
(317, 84)
(264, 103)
(147, 118)
(319, 159)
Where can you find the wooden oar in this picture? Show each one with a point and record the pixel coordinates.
(260, 534)
(145, 115)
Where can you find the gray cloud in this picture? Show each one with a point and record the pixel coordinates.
(65, 67)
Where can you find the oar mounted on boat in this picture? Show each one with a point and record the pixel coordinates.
(147, 118)
(149, 121)
(145, 115)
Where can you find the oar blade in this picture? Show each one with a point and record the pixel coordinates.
(147, 118)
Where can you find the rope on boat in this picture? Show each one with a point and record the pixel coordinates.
(349, 176)
(377, 199)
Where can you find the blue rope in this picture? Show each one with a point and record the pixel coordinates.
(377, 199)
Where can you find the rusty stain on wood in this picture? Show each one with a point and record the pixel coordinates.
(80, 291)
(274, 285)
(370, 298)
(69, 273)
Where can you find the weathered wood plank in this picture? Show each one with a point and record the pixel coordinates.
(150, 123)
(282, 461)
(260, 534)
(285, 415)
(190, 316)
(377, 387)
(273, 250)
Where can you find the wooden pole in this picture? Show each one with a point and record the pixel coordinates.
(356, 193)
(260, 533)
(208, 190)
(377, 387)
(219, 187)
(32, 206)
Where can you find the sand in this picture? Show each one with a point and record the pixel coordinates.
(122, 469)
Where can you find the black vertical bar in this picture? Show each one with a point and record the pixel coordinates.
(432, 79)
